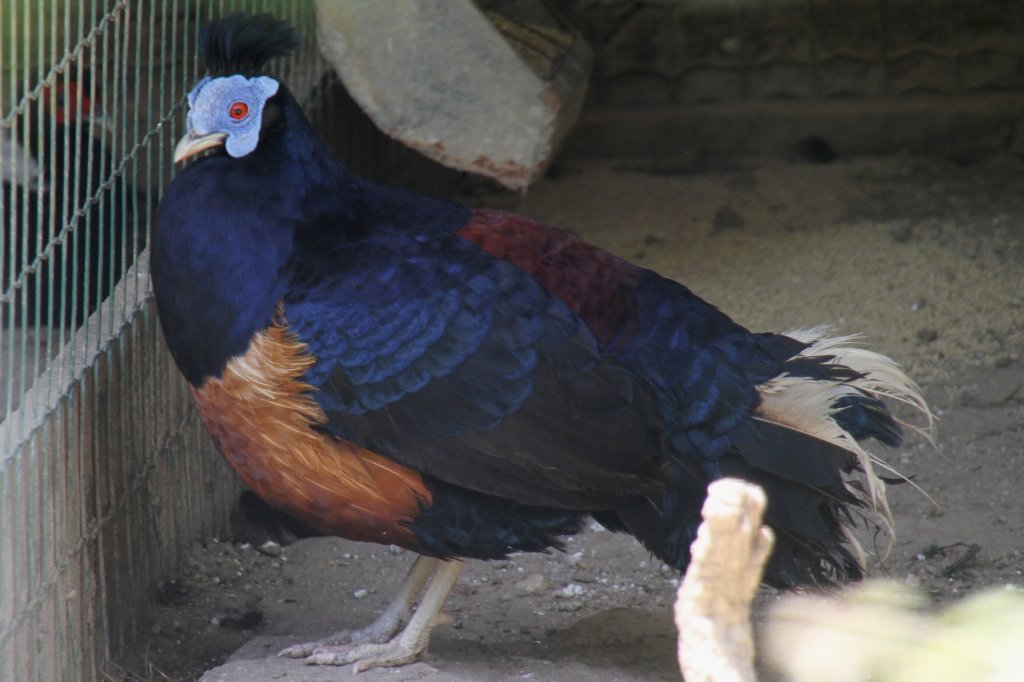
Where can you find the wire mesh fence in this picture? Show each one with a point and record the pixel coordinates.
(105, 472)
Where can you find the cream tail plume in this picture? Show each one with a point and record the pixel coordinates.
(809, 405)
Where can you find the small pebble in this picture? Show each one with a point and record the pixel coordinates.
(270, 548)
(360, 593)
(239, 620)
(534, 582)
(569, 591)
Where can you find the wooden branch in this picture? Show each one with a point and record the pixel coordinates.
(713, 606)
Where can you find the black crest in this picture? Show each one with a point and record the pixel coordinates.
(242, 43)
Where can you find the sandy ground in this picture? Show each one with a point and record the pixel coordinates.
(922, 256)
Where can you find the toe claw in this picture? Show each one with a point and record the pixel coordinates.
(295, 651)
(364, 665)
(307, 649)
(323, 658)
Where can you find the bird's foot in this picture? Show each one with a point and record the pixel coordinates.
(367, 651)
(387, 624)
(376, 633)
(369, 655)
(390, 649)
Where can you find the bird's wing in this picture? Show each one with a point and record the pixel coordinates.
(435, 354)
(702, 366)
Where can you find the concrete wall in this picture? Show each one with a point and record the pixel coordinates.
(729, 78)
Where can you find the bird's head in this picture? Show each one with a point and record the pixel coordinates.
(69, 101)
(225, 111)
(227, 108)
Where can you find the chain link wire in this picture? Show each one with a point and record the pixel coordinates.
(106, 474)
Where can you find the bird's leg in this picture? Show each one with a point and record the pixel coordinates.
(407, 646)
(387, 624)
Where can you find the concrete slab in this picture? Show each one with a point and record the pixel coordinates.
(491, 93)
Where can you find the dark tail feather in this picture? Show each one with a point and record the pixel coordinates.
(806, 443)
(809, 502)
(863, 417)
(668, 526)
(801, 446)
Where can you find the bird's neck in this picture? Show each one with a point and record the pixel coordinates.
(232, 234)
(221, 251)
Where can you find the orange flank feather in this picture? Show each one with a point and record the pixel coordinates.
(262, 418)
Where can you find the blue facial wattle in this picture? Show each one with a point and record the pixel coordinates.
(215, 105)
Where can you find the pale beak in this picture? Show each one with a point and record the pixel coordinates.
(191, 144)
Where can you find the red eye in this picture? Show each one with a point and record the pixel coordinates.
(238, 111)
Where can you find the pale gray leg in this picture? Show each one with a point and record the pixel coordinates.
(387, 624)
(407, 646)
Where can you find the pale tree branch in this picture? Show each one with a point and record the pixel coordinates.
(716, 640)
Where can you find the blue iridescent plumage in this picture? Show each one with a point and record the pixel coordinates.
(529, 378)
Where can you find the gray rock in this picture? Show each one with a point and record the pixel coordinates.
(485, 93)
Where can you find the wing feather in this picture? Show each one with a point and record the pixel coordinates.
(466, 369)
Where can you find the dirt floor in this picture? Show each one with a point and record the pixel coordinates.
(925, 257)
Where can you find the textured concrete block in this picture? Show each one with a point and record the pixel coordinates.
(483, 91)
